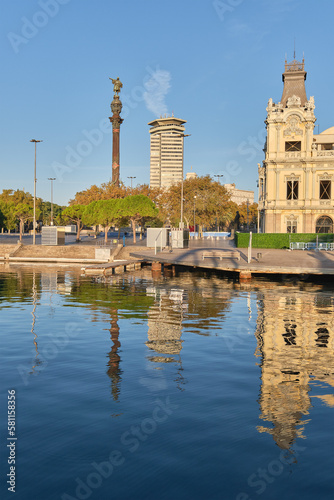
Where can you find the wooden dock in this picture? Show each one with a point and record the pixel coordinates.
(109, 268)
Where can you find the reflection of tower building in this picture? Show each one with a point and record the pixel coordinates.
(49, 281)
(296, 343)
(166, 164)
(165, 325)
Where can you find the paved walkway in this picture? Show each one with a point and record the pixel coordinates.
(262, 261)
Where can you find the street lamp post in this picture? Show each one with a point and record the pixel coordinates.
(258, 212)
(181, 222)
(34, 221)
(247, 214)
(131, 177)
(51, 218)
(218, 177)
(194, 213)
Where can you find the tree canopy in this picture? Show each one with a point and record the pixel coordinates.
(75, 214)
(138, 208)
(9, 203)
(108, 191)
(206, 202)
(104, 212)
(134, 208)
(24, 213)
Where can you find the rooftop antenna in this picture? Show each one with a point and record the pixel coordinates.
(294, 48)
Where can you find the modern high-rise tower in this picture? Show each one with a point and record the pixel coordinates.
(166, 162)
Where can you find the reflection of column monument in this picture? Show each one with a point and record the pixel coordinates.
(114, 370)
(116, 120)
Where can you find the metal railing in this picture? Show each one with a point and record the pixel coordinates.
(300, 245)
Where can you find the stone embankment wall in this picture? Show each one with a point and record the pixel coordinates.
(6, 249)
(68, 251)
(124, 254)
(76, 251)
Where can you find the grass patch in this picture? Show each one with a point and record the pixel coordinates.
(279, 240)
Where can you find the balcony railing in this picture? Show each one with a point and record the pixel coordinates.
(326, 152)
(293, 154)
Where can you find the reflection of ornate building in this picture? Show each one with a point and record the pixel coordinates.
(295, 181)
(296, 343)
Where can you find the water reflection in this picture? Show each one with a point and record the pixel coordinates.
(295, 342)
(294, 331)
(165, 318)
(36, 361)
(114, 371)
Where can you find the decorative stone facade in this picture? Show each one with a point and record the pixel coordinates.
(295, 181)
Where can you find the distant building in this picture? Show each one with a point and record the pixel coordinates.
(239, 196)
(166, 158)
(191, 175)
(295, 181)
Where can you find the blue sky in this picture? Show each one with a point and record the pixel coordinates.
(213, 63)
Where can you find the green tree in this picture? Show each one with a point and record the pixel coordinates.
(46, 212)
(24, 213)
(104, 212)
(75, 214)
(10, 199)
(138, 209)
(248, 213)
(106, 191)
(205, 201)
(9, 218)
(2, 217)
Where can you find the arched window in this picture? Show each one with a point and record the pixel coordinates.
(324, 225)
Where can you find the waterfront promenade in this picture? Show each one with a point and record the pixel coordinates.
(263, 261)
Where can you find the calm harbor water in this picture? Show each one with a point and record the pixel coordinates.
(185, 387)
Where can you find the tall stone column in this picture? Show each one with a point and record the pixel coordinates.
(116, 120)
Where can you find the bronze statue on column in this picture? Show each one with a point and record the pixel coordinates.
(116, 120)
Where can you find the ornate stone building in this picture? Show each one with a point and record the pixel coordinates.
(295, 181)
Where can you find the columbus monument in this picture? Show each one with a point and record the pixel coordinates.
(116, 120)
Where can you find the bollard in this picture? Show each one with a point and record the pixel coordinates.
(156, 266)
(245, 276)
